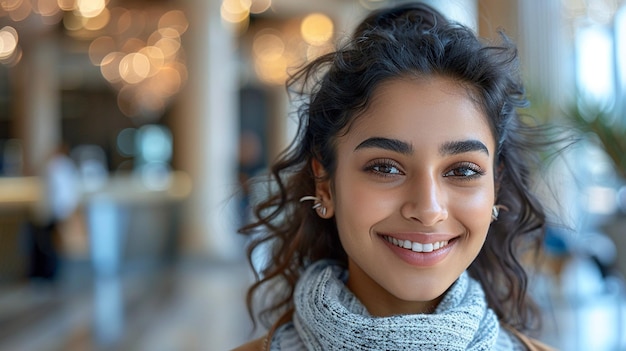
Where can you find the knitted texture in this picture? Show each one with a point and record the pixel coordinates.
(329, 317)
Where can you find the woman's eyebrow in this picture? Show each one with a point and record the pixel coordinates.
(395, 145)
(402, 147)
(462, 146)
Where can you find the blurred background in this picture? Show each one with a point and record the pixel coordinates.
(129, 129)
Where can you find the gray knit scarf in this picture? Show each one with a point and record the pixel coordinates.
(329, 317)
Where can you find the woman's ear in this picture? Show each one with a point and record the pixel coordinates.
(323, 189)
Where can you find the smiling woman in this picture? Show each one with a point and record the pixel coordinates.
(435, 184)
(409, 145)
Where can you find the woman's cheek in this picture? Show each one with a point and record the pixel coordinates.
(365, 201)
(475, 209)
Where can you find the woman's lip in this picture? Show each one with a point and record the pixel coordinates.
(421, 259)
(422, 238)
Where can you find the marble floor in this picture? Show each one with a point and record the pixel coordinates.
(191, 306)
(199, 305)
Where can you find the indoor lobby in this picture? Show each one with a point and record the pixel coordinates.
(138, 125)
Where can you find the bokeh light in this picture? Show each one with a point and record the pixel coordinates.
(90, 8)
(139, 51)
(97, 22)
(134, 68)
(19, 10)
(46, 8)
(8, 42)
(260, 6)
(66, 5)
(317, 29)
(175, 20)
(99, 48)
(268, 45)
(235, 11)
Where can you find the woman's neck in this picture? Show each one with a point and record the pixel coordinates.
(378, 301)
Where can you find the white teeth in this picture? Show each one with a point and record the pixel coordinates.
(415, 246)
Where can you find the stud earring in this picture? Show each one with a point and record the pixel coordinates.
(317, 205)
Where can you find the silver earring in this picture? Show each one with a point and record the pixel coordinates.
(317, 205)
(494, 213)
(322, 210)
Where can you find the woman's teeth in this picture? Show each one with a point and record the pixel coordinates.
(415, 246)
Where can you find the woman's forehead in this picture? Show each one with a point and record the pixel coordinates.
(423, 109)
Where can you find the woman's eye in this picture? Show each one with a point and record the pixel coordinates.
(384, 168)
(465, 171)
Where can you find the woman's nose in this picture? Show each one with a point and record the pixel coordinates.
(425, 202)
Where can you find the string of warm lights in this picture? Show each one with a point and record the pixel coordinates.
(275, 50)
(141, 55)
(139, 51)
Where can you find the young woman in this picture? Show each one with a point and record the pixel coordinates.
(402, 205)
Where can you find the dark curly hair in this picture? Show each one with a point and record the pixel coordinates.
(411, 40)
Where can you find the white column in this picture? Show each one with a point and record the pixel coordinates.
(544, 52)
(37, 100)
(206, 134)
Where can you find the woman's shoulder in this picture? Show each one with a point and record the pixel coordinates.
(254, 345)
(529, 343)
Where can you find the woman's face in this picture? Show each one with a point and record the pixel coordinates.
(413, 193)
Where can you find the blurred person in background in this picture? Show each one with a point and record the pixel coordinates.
(402, 206)
(60, 199)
